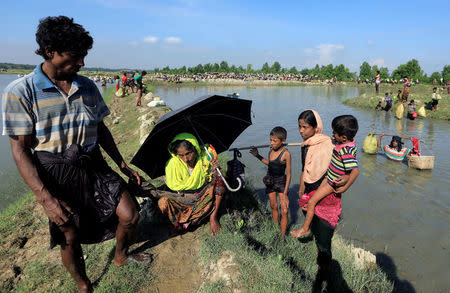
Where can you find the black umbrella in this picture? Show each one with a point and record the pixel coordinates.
(216, 120)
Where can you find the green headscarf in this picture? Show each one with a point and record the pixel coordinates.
(177, 171)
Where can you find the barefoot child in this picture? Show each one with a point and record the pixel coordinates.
(278, 175)
(343, 161)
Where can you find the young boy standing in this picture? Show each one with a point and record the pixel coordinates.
(278, 175)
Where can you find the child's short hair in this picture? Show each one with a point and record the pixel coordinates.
(345, 125)
(386, 94)
(279, 132)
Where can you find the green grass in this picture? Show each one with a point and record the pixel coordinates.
(17, 216)
(421, 94)
(268, 265)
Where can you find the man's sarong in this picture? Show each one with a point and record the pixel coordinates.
(89, 187)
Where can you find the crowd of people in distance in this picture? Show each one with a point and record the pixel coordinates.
(131, 81)
(240, 76)
(389, 99)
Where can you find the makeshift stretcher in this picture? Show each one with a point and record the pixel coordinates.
(415, 159)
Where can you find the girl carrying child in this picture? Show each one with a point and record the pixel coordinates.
(343, 162)
(316, 154)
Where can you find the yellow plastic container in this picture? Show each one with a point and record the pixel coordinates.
(422, 112)
(370, 144)
(399, 111)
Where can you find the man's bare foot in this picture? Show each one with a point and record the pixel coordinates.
(85, 287)
(301, 233)
(214, 226)
(140, 258)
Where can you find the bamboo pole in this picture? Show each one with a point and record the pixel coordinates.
(384, 134)
(404, 137)
(263, 146)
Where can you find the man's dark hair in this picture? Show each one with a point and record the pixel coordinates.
(345, 125)
(279, 132)
(61, 34)
(143, 72)
(435, 88)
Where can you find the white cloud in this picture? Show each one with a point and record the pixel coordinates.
(172, 40)
(370, 42)
(309, 51)
(151, 39)
(324, 53)
(379, 62)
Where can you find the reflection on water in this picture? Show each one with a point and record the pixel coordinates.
(11, 184)
(390, 207)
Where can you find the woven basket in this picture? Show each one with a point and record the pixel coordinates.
(421, 162)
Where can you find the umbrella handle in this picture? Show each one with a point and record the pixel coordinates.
(226, 183)
(223, 178)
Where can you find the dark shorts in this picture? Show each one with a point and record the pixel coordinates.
(274, 183)
(388, 106)
(410, 116)
(434, 102)
(139, 86)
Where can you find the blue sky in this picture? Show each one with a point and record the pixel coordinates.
(147, 34)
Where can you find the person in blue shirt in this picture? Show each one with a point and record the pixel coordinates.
(54, 120)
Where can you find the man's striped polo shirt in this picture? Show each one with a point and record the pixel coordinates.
(33, 105)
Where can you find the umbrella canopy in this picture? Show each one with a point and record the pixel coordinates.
(212, 119)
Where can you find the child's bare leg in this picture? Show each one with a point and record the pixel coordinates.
(274, 206)
(323, 190)
(284, 202)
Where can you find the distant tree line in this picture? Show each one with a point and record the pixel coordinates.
(10, 66)
(7, 66)
(340, 72)
(411, 70)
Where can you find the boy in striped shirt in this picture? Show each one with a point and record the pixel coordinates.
(343, 162)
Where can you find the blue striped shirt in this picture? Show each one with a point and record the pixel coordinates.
(33, 105)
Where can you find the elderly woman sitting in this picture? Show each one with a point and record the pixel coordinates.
(196, 190)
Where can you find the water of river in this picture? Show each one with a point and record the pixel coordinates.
(400, 213)
(11, 184)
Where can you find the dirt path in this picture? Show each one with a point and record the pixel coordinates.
(177, 263)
